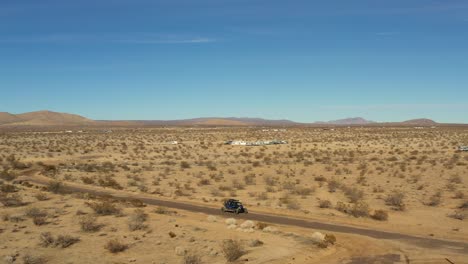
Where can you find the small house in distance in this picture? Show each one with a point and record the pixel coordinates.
(463, 148)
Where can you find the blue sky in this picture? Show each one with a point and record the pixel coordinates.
(300, 60)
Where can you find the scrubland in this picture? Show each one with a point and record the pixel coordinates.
(403, 180)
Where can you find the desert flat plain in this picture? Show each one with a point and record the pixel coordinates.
(82, 197)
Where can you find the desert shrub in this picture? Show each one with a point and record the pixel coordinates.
(360, 209)
(39, 220)
(192, 258)
(455, 179)
(11, 200)
(458, 214)
(435, 199)
(172, 234)
(333, 185)
(325, 204)
(105, 208)
(459, 195)
(87, 180)
(262, 196)
(88, 224)
(8, 188)
(320, 178)
(270, 181)
(65, 241)
(137, 220)
(380, 215)
(35, 212)
(32, 259)
(162, 210)
(261, 225)
(115, 246)
(7, 175)
(110, 182)
(396, 200)
(232, 249)
(204, 182)
(290, 202)
(249, 179)
(354, 194)
(46, 239)
(328, 239)
(185, 165)
(304, 191)
(55, 186)
(41, 196)
(464, 205)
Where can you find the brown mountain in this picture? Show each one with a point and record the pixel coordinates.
(43, 118)
(420, 122)
(205, 121)
(8, 118)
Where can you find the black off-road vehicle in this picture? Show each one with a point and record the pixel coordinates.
(233, 206)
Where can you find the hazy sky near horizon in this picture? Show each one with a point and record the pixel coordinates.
(302, 60)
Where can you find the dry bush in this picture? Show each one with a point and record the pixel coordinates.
(380, 215)
(360, 209)
(34, 211)
(11, 200)
(464, 205)
(459, 195)
(41, 196)
(46, 239)
(333, 184)
(291, 203)
(39, 220)
(435, 199)
(115, 246)
(105, 208)
(261, 225)
(232, 249)
(328, 240)
(354, 194)
(137, 220)
(325, 204)
(192, 258)
(87, 180)
(458, 214)
(55, 186)
(7, 175)
(110, 182)
(396, 200)
(32, 259)
(88, 223)
(63, 241)
(8, 188)
(185, 165)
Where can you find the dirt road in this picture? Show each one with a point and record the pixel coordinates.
(425, 242)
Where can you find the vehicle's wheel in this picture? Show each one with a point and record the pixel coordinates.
(222, 210)
(237, 211)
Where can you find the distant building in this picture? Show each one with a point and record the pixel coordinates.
(463, 148)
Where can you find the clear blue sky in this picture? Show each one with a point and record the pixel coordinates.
(300, 60)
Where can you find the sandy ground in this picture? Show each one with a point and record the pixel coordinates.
(366, 164)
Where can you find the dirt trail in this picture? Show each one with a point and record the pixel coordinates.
(425, 242)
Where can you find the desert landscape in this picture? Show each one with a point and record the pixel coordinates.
(74, 190)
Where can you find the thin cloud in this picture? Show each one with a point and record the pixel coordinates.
(137, 38)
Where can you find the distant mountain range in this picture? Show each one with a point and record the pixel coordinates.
(49, 119)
